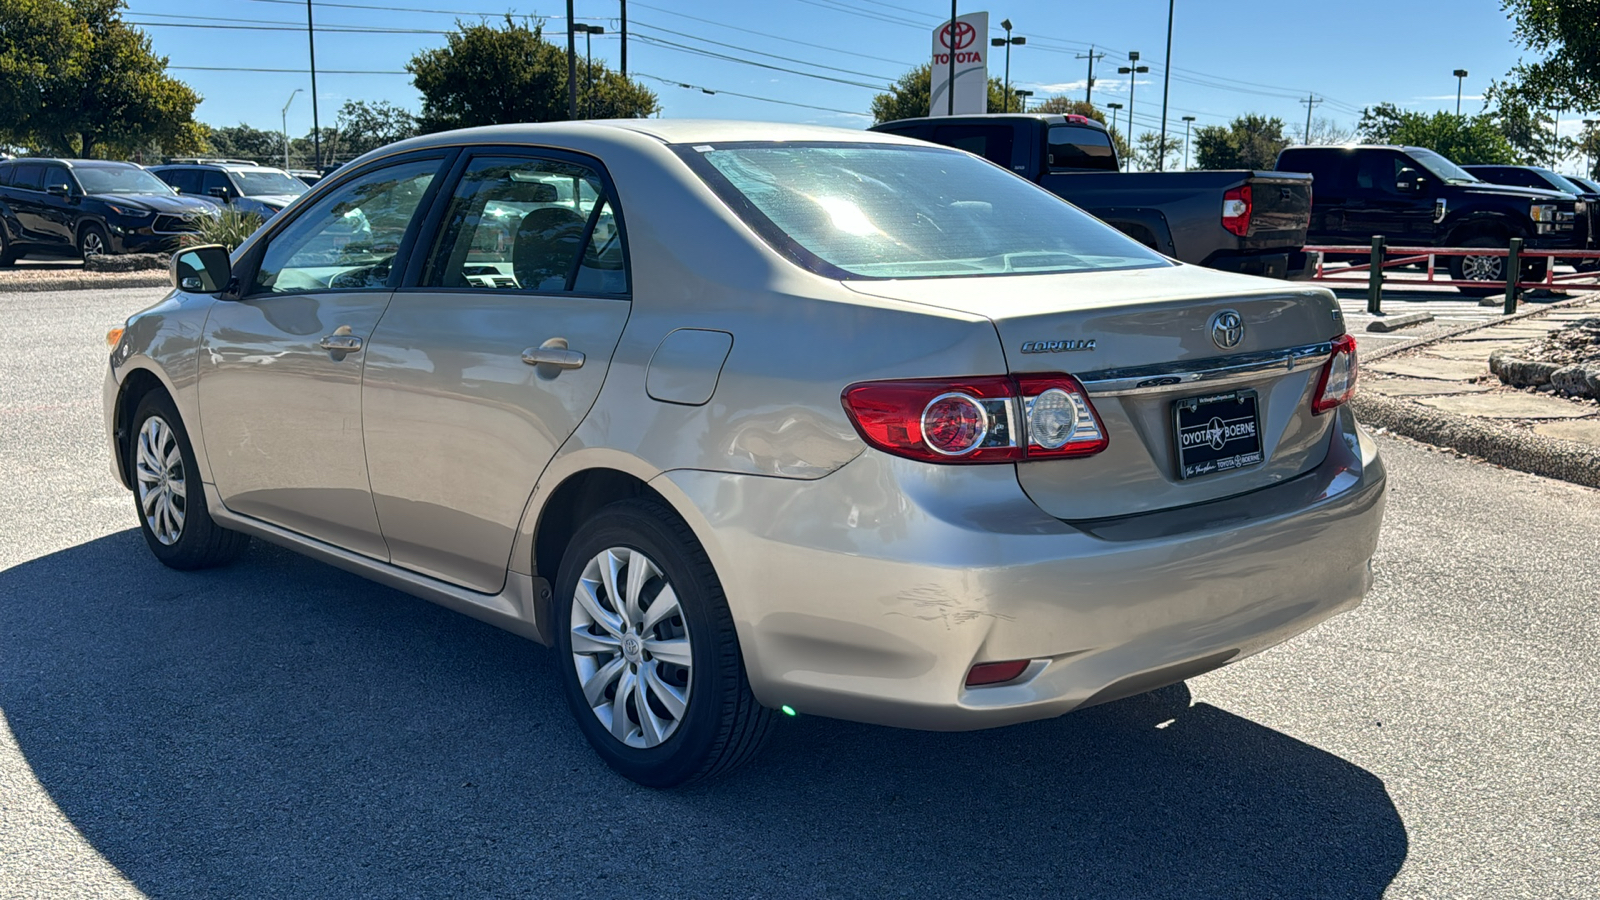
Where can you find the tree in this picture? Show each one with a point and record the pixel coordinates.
(1564, 35)
(1527, 121)
(491, 75)
(1589, 148)
(100, 90)
(243, 142)
(1150, 155)
(1326, 131)
(1251, 141)
(1462, 139)
(908, 98)
(364, 126)
(1061, 104)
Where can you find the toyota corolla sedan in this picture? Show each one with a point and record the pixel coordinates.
(746, 420)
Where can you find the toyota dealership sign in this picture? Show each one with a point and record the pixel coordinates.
(969, 41)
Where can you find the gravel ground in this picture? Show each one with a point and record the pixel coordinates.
(280, 728)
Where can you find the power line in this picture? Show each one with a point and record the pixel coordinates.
(290, 71)
(776, 37)
(763, 53)
(750, 62)
(706, 90)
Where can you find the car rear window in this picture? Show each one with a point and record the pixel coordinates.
(892, 211)
(1081, 147)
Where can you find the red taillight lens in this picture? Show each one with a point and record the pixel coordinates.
(996, 673)
(990, 419)
(1236, 210)
(1337, 383)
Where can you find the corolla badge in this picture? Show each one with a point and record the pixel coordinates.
(1056, 346)
(1227, 329)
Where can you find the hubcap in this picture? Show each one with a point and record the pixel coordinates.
(158, 468)
(1481, 268)
(630, 647)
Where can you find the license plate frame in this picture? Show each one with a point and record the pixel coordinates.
(1217, 433)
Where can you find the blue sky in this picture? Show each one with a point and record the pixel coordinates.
(1229, 56)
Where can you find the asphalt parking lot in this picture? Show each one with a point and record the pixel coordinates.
(283, 729)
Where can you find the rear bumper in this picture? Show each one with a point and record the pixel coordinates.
(869, 594)
(1290, 264)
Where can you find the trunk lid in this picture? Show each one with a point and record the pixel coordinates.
(1152, 331)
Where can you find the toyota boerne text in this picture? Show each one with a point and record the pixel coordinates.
(749, 417)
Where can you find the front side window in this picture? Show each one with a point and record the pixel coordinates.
(127, 179)
(211, 179)
(528, 224)
(57, 177)
(1441, 168)
(891, 211)
(348, 240)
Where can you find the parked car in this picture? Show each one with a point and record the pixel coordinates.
(1585, 229)
(1415, 197)
(85, 207)
(244, 186)
(771, 417)
(1588, 184)
(1237, 221)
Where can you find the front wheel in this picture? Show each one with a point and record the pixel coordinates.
(649, 659)
(168, 495)
(92, 241)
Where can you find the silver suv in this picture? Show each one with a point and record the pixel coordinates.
(240, 184)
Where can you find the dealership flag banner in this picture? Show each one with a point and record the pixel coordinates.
(970, 44)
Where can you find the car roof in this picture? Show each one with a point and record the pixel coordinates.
(667, 131)
(74, 163)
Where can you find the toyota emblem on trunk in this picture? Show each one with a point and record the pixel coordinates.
(1227, 329)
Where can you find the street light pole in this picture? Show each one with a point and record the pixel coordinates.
(1133, 70)
(1187, 121)
(1460, 75)
(1115, 108)
(588, 63)
(624, 38)
(1022, 98)
(286, 129)
(572, 66)
(1166, 90)
(316, 127)
(1006, 42)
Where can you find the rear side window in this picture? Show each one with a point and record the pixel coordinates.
(5, 175)
(348, 240)
(1328, 170)
(187, 181)
(528, 224)
(28, 176)
(210, 179)
(992, 142)
(1078, 147)
(893, 211)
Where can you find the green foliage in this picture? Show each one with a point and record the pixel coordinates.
(244, 142)
(492, 75)
(908, 98)
(364, 126)
(229, 229)
(79, 81)
(1566, 38)
(1461, 139)
(1150, 152)
(1251, 141)
(1526, 123)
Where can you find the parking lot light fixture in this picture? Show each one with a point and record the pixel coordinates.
(1006, 42)
(1187, 121)
(286, 128)
(1133, 70)
(1022, 99)
(588, 61)
(1461, 75)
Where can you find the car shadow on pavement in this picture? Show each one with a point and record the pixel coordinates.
(282, 728)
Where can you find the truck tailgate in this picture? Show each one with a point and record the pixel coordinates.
(1280, 209)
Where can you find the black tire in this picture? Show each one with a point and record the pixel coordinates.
(1462, 270)
(722, 726)
(200, 543)
(92, 236)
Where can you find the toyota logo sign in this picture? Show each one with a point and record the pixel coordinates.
(1227, 329)
(965, 35)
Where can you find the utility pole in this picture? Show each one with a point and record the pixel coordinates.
(1091, 56)
(316, 128)
(1310, 103)
(1460, 74)
(572, 65)
(624, 38)
(1187, 121)
(950, 85)
(1166, 89)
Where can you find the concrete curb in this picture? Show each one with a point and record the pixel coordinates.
(1517, 316)
(1513, 448)
(88, 283)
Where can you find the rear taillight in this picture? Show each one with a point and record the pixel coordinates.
(977, 420)
(1236, 210)
(1337, 383)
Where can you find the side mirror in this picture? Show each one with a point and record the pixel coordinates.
(58, 190)
(1408, 180)
(221, 193)
(201, 270)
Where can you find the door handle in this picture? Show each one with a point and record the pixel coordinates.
(341, 341)
(560, 357)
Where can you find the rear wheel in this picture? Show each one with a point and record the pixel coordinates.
(649, 659)
(92, 241)
(167, 493)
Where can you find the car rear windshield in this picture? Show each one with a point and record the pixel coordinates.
(119, 180)
(890, 211)
(267, 183)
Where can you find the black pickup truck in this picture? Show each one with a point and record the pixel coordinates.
(1415, 197)
(1240, 221)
